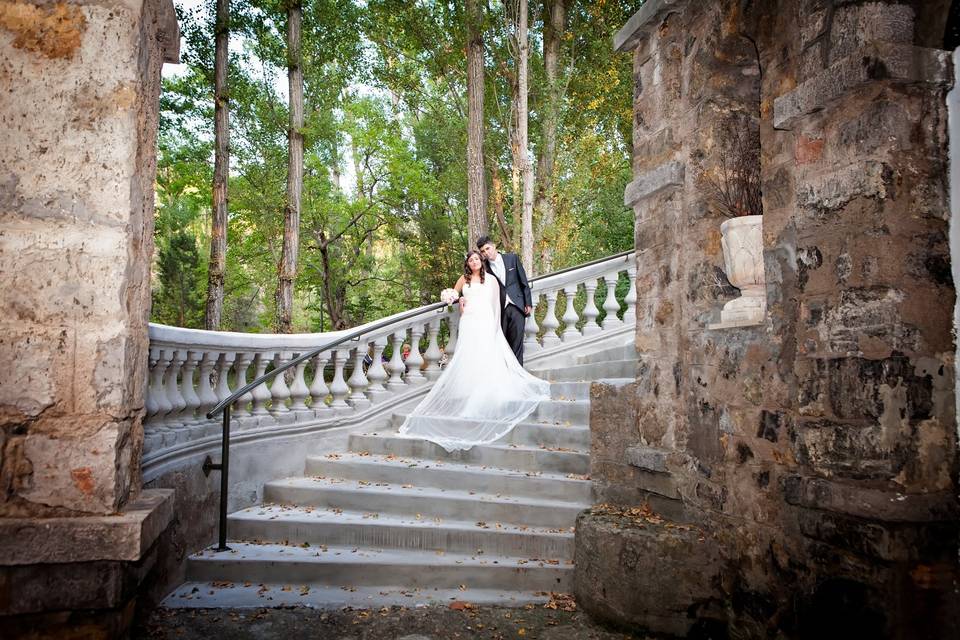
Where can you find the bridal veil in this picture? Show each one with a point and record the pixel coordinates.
(483, 392)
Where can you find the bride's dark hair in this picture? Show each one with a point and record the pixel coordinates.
(466, 266)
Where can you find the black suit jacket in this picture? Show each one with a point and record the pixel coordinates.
(516, 284)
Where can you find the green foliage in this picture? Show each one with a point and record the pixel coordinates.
(383, 221)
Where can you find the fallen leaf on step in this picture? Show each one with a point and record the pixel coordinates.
(460, 605)
(462, 587)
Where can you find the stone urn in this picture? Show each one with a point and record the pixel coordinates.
(742, 241)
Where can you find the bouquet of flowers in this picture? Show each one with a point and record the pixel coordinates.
(449, 296)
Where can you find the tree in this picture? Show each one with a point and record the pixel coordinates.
(554, 25)
(476, 184)
(221, 163)
(287, 271)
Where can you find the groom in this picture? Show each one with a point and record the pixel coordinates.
(515, 297)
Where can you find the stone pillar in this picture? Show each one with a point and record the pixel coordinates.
(807, 464)
(77, 167)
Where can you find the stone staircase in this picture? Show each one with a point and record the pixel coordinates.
(398, 520)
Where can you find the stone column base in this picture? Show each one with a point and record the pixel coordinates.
(60, 577)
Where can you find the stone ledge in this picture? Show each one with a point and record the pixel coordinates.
(667, 176)
(874, 62)
(642, 23)
(869, 503)
(648, 458)
(125, 536)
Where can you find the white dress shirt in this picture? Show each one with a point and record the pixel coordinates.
(500, 271)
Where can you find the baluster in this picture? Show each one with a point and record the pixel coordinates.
(453, 324)
(590, 311)
(376, 374)
(338, 388)
(279, 391)
(610, 305)
(299, 390)
(530, 329)
(157, 403)
(241, 366)
(570, 317)
(318, 388)
(415, 360)
(358, 381)
(177, 402)
(224, 362)
(260, 393)
(630, 313)
(396, 367)
(190, 398)
(208, 399)
(550, 322)
(432, 354)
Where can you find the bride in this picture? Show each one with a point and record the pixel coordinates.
(483, 392)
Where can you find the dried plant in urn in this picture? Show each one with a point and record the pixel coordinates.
(732, 187)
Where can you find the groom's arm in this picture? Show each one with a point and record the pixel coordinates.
(522, 277)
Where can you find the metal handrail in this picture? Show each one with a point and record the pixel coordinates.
(225, 404)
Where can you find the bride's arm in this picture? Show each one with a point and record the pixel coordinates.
(459, 289)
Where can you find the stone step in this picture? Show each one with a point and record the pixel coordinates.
(576, 412)
(569, 411)
(550, 436)
(426, 502)
(591, 371)
(352, 567)
(564, 437)
(620, 352)
(430, 473)
(248, 595)
(297, 525)
(503, 456)
(581, 390)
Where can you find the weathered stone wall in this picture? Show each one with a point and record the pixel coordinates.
(77, 163)
(817, 450)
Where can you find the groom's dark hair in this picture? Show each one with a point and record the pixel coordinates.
(482, 240)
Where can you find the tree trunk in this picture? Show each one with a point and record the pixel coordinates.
(476, 187)
(221, 165)
(526, 171)
(506, 237)
(291, 215)
(554, 25)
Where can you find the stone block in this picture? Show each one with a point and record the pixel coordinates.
(856, 25)
(643, 22)
(125, 536)
(854, 499)
(830, 191)
(658, 577)
(874, 62)
(649, 459)
(669, 175)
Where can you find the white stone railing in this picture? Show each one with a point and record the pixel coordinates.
(192, 370)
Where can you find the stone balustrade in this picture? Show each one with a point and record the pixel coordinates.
(192, 370)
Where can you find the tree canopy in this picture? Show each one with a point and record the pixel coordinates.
(384, 200)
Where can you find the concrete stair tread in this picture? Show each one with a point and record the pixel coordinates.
(324, 555)
(567, 424)
(307, 516)
(499, 445)
(580, 389)
(588, 372)
(256, 595)
(404, 462)
(427, 493)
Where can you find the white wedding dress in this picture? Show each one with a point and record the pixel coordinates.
(483, 392)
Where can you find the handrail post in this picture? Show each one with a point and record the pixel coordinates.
(224, 480)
